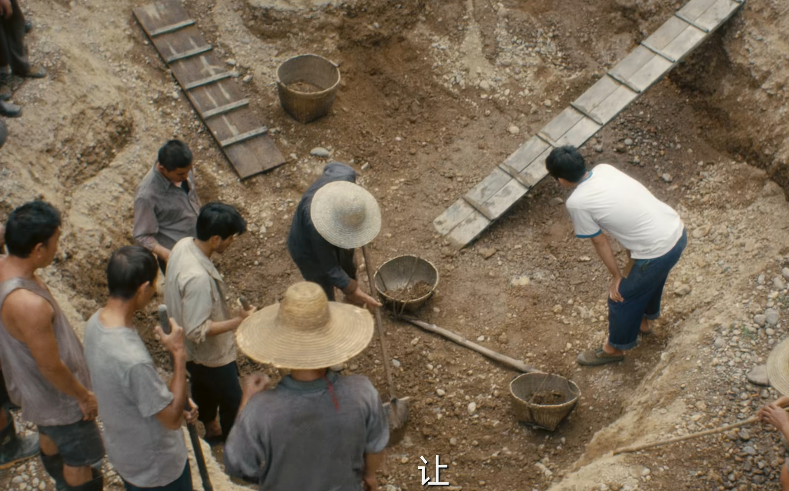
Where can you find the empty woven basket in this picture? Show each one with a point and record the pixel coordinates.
(547, 416)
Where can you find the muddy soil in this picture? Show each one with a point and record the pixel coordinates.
(418, 290)
(431, 92)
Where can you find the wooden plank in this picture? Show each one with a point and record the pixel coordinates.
(641, 69)
(560, 125)
(244, 136)
(189, 53)
(691, 21)
(226, 108)
(605, 99)
(507, 196)
(717, 14)
(172, 28)
(513, 174)
(208, 80)
(526, 153)
(536, 171)
(452, 216)
(468, 230)
(216, 98)
(488, 186)
(675, 38)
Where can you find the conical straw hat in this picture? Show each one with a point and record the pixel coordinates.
(345, 214)
(305, 331)
(778, 367)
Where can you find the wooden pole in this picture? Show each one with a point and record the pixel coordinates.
(506, 360)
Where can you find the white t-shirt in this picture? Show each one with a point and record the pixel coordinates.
(610, 199)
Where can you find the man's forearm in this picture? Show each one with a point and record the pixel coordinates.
(603, 249)
(178, 382)
(222, 327)
(61, 377)
(161, 251)
(372, 462)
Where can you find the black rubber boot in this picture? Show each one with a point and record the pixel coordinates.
(14, 448)
(54, 467)
(95, 484)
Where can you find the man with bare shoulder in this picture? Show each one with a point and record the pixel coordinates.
(43, 362)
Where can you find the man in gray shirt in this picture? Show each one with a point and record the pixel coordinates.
(166, 205)
(142, 416)
(317, 430)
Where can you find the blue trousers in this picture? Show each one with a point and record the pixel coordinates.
(641, 290)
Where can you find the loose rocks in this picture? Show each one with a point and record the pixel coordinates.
(758, 376)
(319, 152)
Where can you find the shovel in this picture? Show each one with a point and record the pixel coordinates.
(164, 322)
(396, 410)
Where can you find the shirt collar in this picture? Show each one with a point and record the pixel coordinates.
(166, 182)
(588, 176)
(204, 261)
(313, 385)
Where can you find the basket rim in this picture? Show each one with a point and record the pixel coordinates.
(309, 55)
(531, 404)
(413, 300)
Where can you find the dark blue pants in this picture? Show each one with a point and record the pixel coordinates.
(642, 290)
(183, 483)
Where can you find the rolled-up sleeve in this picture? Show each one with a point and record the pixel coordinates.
(327, 258)
(376, 424)
(197, 307)
(145, 224)
(245, 454)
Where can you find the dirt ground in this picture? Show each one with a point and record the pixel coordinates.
(430, 90)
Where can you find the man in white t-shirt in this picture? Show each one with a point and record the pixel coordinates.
(607, 199)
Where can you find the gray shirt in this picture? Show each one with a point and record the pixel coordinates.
(163, 212)
(130, 394)
(194, 293)
(42, 403)
(299, 436)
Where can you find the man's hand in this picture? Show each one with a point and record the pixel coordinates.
(774, 415)
(370, 483)
(5, 9)
(257, 382)
(359, 297)
(246, 313)
(159, 250)
(89, 406)
(173, 342)
(613, 290)
(191, 415)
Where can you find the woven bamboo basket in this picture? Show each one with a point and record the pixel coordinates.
(312, 69)
(543, 415)
(400, 272)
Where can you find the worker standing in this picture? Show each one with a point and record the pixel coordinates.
(195, 294)
(43, 362)
(141, 414)
(607, 199)
(166, 205)
(317, 429)
(334, 217)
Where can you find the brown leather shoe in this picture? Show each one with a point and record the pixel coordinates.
(35, 71)
(10, 110)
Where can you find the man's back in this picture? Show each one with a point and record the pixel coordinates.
(308, 437)
(41, 402)
(130, 395)
(611, 200)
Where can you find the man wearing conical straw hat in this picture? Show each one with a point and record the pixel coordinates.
(775, 413)
(334, 217)
(317, 430)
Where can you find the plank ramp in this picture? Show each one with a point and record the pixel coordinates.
(486, 202)
(210, 87)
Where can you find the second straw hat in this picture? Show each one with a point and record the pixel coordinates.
(345, 214)
(778, 367)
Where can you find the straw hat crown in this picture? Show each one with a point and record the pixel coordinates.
(778, 367)
(305, 331)
(345, 214)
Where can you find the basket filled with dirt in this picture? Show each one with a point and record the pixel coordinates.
(307, 86)
(542, 399)
(406, 283)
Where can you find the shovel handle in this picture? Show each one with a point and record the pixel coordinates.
(244, 302)
(164, 319)
(379, 325)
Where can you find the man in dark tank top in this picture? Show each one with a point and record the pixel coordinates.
(43, 362)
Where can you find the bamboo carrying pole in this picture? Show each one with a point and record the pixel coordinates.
(636, 448)
(506, 360)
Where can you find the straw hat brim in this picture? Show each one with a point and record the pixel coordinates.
(778, 367)
(322, 213)
(265, 339)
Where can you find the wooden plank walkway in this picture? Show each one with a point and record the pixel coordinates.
(208, 85)
(486, 202)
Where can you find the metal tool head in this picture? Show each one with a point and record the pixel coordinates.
(164, 319)
(244, 302)
(396, 412)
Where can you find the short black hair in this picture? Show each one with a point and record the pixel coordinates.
(129, 268)
(566, 163)
(219, 219)
(29, 225)
(175, 155)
